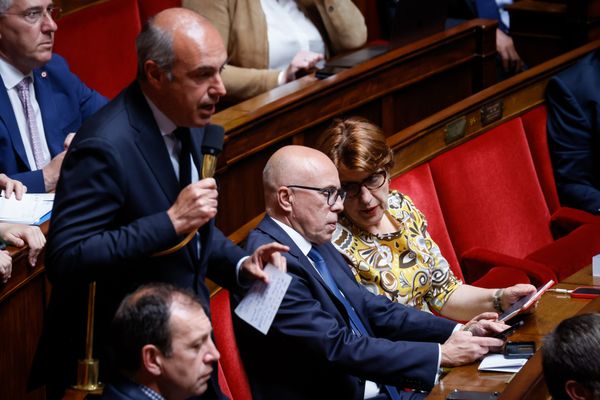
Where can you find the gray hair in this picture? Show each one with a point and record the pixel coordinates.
(156, 44)
(5, 5)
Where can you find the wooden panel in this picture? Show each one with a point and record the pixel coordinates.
(544, 29)
(394, 90)
(22, 306)
(428, 138)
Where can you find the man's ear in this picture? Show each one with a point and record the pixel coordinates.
(285, 198)
(154, 74)
(152, 359)
(577, 391)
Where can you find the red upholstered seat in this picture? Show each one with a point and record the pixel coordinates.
(149, 8)
(99, 43)
(418, 185)
(491, 199)
(223, 381)
(564, 219)
(231, 363)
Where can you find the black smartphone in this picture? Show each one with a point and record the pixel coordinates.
(509, 331)
(519, 349)
(470, 395)
(2, 245)
(328, 71)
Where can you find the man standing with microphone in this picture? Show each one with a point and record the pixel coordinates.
(130, 189)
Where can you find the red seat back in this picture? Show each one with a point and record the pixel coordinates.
(231, 363)
(490, 196)
(534, 123)
(99, 43)
(418, 185)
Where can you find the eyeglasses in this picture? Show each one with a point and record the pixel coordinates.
(35, 14)
(332, 193)
(372, 182)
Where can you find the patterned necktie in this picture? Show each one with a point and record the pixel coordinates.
(185, 164)
(34, 134)
(357, 325)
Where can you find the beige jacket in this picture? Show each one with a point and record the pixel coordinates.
(242, 25)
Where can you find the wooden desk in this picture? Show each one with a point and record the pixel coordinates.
(394, 90)
(22, 307)
(528, 383)
(583, 278)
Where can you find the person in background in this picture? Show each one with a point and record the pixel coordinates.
(44, 102)
(161, 340)
(573, 101)
(571, 358)
(17, 234)
(331, 338)
(384, 236)
(460, 10)
(270, 42)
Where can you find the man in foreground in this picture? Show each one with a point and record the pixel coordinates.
(161, 340)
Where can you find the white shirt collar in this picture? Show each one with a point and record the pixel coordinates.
(303, 244)
(165, 125)
(11, 75)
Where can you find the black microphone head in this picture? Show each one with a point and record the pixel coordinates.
(214, 137)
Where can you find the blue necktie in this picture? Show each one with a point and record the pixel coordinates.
(357, 325)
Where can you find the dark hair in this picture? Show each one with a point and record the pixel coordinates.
(356, 144)
(572, 352)
(143, 318)
(156, 44)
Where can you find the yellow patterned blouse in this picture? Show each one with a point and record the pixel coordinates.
(406, 266)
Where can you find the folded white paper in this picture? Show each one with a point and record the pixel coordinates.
(31, 209)
(499, 363)
(259, 306)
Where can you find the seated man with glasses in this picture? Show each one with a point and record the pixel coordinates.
(331, 338)
(385, 238)
(44, 101)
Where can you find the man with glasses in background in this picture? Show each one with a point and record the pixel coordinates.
(331, 338)
(44, 101)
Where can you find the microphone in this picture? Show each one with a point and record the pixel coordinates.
(212, 145)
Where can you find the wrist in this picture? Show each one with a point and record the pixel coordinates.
(497, 300)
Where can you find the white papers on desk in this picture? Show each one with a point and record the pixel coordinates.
(499, 363)
(259, 306)
(32, 209)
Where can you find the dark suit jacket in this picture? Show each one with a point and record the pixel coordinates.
(65, 102)
(573, 99)
(109, 216)
(311, 353)
(123, 389)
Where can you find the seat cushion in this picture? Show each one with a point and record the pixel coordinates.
(500, 277)
(570, 253)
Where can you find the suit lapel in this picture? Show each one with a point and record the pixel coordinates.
(50, 116)
(151, 143)
(8, 117)
(272, 229)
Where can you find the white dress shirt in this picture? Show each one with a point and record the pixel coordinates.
(288, 32)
